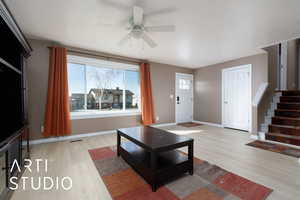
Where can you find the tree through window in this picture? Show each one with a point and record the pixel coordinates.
(103, 89)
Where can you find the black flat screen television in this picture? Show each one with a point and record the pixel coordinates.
(11, 106)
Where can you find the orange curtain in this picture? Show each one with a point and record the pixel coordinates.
(57, 117)
(146, 95)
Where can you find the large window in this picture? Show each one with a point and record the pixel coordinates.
(98, 87)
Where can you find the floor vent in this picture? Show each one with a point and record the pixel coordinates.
(76, 141)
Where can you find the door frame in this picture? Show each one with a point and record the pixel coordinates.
(283, 65)
(249, 66)
(175, 98)
(278, 67)
(298, 67)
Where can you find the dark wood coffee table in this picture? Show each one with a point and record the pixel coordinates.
(152, 153)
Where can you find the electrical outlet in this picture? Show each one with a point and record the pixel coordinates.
(42, 129)
(157, 118)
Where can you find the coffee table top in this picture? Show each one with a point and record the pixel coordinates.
(154, 138)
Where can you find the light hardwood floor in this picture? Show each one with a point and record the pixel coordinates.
(223, 147)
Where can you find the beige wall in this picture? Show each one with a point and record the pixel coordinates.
(208, 87)
(273, 63)
(163, 82)
(292, 65)
(37, 77)
(102, 124)
(273, 75)
(273, 78)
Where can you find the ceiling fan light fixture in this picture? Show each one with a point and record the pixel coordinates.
(139, 31)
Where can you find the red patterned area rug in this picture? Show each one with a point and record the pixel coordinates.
(276, 148)
(209, 182)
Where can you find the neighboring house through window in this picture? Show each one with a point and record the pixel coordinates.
(102, 88)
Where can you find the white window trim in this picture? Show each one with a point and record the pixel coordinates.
(103, 64)
(89, 115)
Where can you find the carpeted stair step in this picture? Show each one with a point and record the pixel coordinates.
(288, 139)
(291, 93)
(287, 113)
(290, 99)
(288, 106)
(285, 129)
(286, 121)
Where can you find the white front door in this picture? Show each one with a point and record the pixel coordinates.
(184, 98)
(236, 105)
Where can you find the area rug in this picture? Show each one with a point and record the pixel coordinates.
(189, 124)
(209, 182)
(276, 148)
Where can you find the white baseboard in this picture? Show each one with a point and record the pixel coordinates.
(165, 124)
(262, 136)
(209, 123)
(77, 136)
(71, 137)
(254, 137)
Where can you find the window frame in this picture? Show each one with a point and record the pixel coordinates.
(96, 62)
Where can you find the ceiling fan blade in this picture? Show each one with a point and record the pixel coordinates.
(124, 39)
(138, 14)
(161, 11)
(116, 4)
(167, 28)
(148, 40)
(139, 3)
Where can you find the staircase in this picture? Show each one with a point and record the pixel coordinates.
(285, 124)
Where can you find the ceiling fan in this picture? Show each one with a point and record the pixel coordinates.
(139, 31)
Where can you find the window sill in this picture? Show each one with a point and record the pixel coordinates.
(90, 115)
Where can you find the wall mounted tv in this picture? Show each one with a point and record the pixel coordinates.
(11, 106)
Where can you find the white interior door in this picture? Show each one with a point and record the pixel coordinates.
(236, 84)
(184, 98)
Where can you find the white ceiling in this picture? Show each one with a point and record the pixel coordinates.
(207, 31)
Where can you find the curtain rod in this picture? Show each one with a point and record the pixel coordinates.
(103, 55)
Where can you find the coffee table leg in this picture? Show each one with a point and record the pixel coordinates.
(191, 157)
(153, 186)
(153, 168)
(118, 144)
